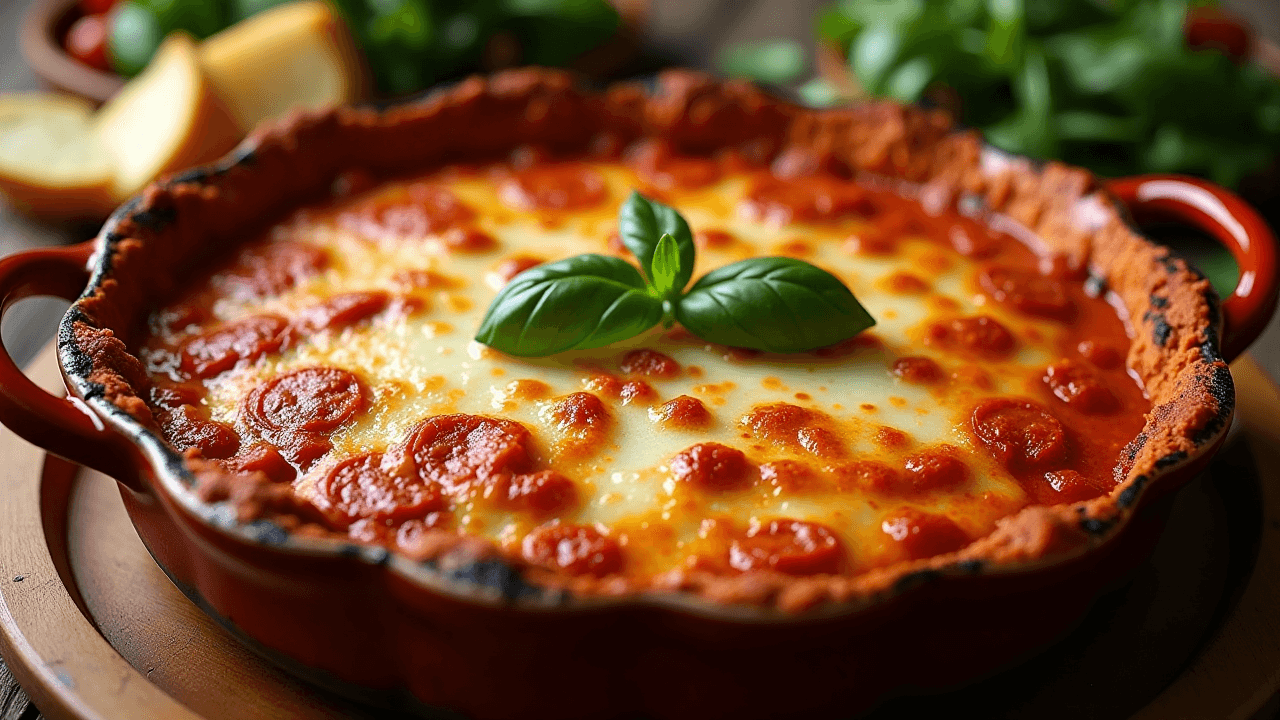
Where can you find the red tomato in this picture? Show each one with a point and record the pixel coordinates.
(97, 7)
(1210, 28)
(87, 41)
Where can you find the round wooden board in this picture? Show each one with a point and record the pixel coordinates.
(94, 629)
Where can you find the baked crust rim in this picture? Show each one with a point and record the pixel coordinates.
(1173, 310)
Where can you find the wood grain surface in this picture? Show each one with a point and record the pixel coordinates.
(686, 32)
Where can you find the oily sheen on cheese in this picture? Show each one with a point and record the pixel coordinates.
(335, 354)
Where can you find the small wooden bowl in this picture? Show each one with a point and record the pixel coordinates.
(41, 36)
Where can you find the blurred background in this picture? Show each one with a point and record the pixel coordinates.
(1120, 86)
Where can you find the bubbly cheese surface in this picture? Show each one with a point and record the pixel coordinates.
(888, 463)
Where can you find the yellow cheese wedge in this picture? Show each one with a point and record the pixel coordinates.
(293, 56)
(167, 119)
(51, 164)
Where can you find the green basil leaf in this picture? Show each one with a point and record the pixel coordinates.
(582, 302)
(666, 266)
(776, 304)
(642, 223)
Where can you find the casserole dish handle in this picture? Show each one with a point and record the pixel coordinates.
(1222, 214)
(63, 426)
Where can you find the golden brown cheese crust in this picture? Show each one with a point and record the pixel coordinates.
(159, 238)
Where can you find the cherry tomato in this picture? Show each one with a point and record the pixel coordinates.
(96, 7)
(1211, 28)
(87, 41)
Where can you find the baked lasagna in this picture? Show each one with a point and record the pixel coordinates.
(332, 359)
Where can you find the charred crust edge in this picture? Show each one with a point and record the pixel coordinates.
(155, 213)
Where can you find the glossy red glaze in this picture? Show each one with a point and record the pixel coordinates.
(1222, 214)
(64, 427)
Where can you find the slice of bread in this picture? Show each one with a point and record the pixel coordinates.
(51, 164)
(297, 55)
(166, 119)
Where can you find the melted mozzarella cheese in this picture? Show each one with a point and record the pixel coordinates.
(425, 363)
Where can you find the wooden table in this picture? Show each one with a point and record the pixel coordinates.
(680, 32)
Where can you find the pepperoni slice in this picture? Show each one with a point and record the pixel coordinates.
(217, 350)
(543, 493)
(266, 459)
(917, 370)
(867, 474)
(169, 396)
(793, 547)
(903, 283)
(805, 199)
(891, 438)
(980, 335)
(527, 389)
(469, 240)
(1079, 388)
(454, 450)
(778, 421)
(650, 363)
(559, 186)
(923, 535)
(789, 475)
(342, 310)
(316, 399)
(935, 469)
(513, 266)
(176, 318)
(872, 242)
(635, 391)
(683, 412)
(186, 429)
(360, 487)
(795, 248)
(583, 421)
(613, 387)
(793, 426)
(1020, 433)
(575, 549)
(580, 412)
(1067, 486)
(820, 442)
(425, 280)
(297, 410)
(713, 239)
(712, 466)
(1027, 292)
(414, 211)
(270, 268)
(658, 164)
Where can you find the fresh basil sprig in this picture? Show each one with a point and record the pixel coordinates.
(775, 304)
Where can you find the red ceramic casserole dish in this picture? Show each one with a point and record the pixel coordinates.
(477, 635)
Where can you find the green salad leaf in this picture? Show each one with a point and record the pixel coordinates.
(1112, 85)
